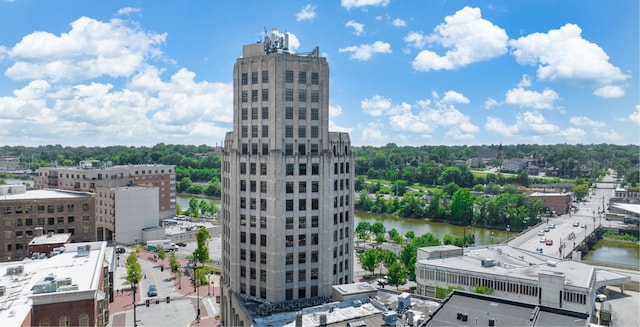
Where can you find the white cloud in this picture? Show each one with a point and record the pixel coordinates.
(490, 103)
(454, 97)
(531, 99)
(372, 133)
(610, 135)
(635, 116)
(416, 39)
(525, 81)
(399, 23)
(528, 124)
(564, 55)
(363, 3)
(572, 134)
(308, 12)
(90, 49)
(470, 38)
(610, 91)
(335, 111)
(586, 121)
(358, 28)
(376, 106)
(364, 52)
(128, 10)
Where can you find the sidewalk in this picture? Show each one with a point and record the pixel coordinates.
(183, 288)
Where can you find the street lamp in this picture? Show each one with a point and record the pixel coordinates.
(195, 286)
(508, 232)
(134, 288)
(491, 238)
(209, 283)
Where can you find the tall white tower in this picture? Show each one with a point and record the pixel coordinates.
(287, 184)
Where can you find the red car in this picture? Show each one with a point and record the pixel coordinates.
(549, 242)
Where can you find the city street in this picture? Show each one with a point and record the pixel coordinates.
(181, 310)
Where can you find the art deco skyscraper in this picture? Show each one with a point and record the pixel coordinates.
(287, 183)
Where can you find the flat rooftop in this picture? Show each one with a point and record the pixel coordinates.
(464, 308)
(51, 239)
(44, 194)
(514, 263)
(80, 271)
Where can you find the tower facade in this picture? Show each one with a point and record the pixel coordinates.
(287, 184)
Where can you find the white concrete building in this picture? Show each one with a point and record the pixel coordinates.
(126, 211)
(287, 184)
(512, 274)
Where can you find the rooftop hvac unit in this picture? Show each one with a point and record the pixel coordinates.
(488, 262)
(323, 319)
(68, 288)
(16, 270)
(390, 318)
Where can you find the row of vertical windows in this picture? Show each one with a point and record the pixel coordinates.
(302, 204)
(302, 77)
(254, 95)
(252, 168)
(244, 131)
(302, 169)
(302, 113)
(254, 77)
(302, 95)
(472, 281)
(344, 168)
(254, 113)
(302, 222)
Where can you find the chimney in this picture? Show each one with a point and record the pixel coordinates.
(39, 231)
(49, 234)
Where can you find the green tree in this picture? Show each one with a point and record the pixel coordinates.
(369, 259)
(378, 228)
(363, 226)
(483, 290)
(162, 255)
(462, 206)
(134, 269)
(201, 253)
(581, 191)
(178, 209)
(410, 234)
(174, 265)
(396, 275)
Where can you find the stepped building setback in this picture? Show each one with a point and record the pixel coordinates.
(287, 186)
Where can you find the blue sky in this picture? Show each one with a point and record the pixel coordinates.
(100, 73)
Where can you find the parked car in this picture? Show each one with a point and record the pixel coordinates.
(153, 291)
(549, 242)
(541, 233)
(576, 223)
(600, 297)
(181, 244)
(539, 250)
(542, 240)
(546, 229)
(552, 226)
(120, 250)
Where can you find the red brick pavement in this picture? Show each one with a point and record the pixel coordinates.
(123, 299)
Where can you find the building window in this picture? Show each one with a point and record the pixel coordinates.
(288, 149)
(243, 168)
(253, 168)
(302, 131)
(288, 76)
(315, 78)
(288, 95)
(302, 204)
(244, 131)
(288, 131)
(315, 187)
(314, 204)
(315, 169)
(315, 96)
(302, 95)
(289, 259)
(289, 241)
(289, 187)
(302, 222)
(83, 321)
(265, 151)
(314, 221)
(265, 94)
(302, 77)
(289, 205)
(254, 95)
(245, 96)
(245, 79)
(314, 131)
(254, 77)
(302, 149)
(245, 114)
(302, 113)
(302, 169)
(314, 113)
(254, 131)
(254, 113)
(263, 169)
(314, 148)
(289, 169)
(245, 148)
(265, 76)
(289, 223)
(302, 187)
(265, 130)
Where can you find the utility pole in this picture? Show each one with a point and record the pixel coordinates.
(134, 288)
